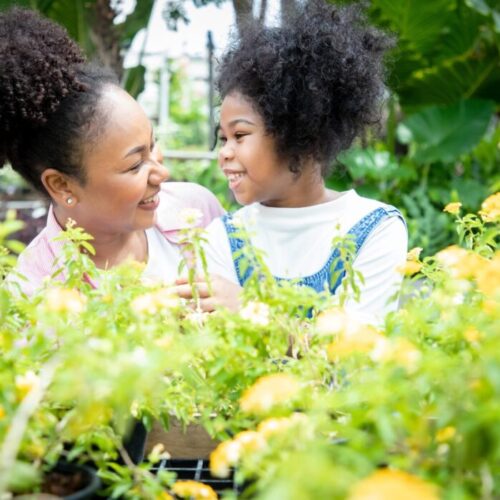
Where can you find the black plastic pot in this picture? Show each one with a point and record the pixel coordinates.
(197, 470)
(88, 479)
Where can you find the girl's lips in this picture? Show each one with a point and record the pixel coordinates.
(234, 179)
(150, 203)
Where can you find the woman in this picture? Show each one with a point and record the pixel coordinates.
(75, 135)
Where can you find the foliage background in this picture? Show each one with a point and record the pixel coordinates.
(439, 137)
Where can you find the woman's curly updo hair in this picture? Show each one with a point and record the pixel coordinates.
(48, 97)
(317, 80)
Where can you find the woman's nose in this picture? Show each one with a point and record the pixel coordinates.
(159, 173)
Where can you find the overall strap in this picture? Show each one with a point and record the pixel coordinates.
(236, 244)
(334, 266)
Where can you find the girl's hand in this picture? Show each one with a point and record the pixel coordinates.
(224, 293)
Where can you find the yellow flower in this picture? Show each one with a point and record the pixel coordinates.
(2, 412)
(488, 276)
(410, 267)
(490, 208)
(393, 485)
(250, 441)
(445, 434)
(337, 321)
(414, 254)
(452, 208)
(164, 496)
(64, 300)
(158, 453)
(26, 383)
(400, 351)
(225, 456)
(273, 426)
(472, 334)
(363, 339)
(459, 262)
(269, 391)
(155, 302)
(193, 489)
(256, 312)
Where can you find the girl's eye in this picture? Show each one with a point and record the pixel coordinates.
(239, 135)
(222, 139)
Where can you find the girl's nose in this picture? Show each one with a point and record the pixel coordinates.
(225, 153)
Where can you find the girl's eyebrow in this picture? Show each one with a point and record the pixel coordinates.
(234, 122)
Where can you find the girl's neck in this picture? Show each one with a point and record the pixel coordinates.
(308, 190)
(112, 249)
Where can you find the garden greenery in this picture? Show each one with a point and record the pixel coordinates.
(306, 401)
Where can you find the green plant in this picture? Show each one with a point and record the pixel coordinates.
(418, 396)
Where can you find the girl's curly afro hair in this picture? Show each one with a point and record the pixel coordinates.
(317, 80)
(48, 96)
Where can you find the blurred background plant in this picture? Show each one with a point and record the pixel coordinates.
(440, 133)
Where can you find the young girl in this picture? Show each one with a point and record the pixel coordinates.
(294, 97)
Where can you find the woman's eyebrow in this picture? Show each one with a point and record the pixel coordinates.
(137, 149)
(142, 147)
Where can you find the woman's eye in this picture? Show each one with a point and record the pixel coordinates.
(135, 168)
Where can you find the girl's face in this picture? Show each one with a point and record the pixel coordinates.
(249, 160)
(123, 179)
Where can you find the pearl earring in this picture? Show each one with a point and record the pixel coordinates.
(69, 200)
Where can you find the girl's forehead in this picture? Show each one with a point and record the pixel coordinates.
(236, 104)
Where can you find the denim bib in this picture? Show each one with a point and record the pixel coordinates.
(321, 280)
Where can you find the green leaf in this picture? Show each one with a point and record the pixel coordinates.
(23, 477)
(136, 21)
(133, 80)
(416, 21)
(476, 75)
(444, 133)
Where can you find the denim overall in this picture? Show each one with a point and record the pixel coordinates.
(322, 279)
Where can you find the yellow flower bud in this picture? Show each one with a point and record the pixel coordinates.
(452, 208)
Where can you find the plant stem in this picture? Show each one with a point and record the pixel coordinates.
(29, 404)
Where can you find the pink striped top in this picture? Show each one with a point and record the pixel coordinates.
(38, 260)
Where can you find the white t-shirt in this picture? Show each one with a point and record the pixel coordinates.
(297, 242)
(163, 258)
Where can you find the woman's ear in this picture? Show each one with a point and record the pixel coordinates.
(60, 187)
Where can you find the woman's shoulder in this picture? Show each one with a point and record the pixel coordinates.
(177, 197)
(34, 263)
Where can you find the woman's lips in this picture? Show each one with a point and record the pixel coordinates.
(150, 203)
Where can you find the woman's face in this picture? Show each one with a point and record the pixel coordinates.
(120, 193)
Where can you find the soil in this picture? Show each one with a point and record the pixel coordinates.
(63, 484)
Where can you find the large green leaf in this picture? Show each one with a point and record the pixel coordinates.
(133, 80)
(476, 75)
(136, 21)
(73, 15)
(419, 22)
(444, 133)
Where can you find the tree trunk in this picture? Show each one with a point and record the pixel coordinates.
(105, 36)
(243, 10)
(288, 8)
